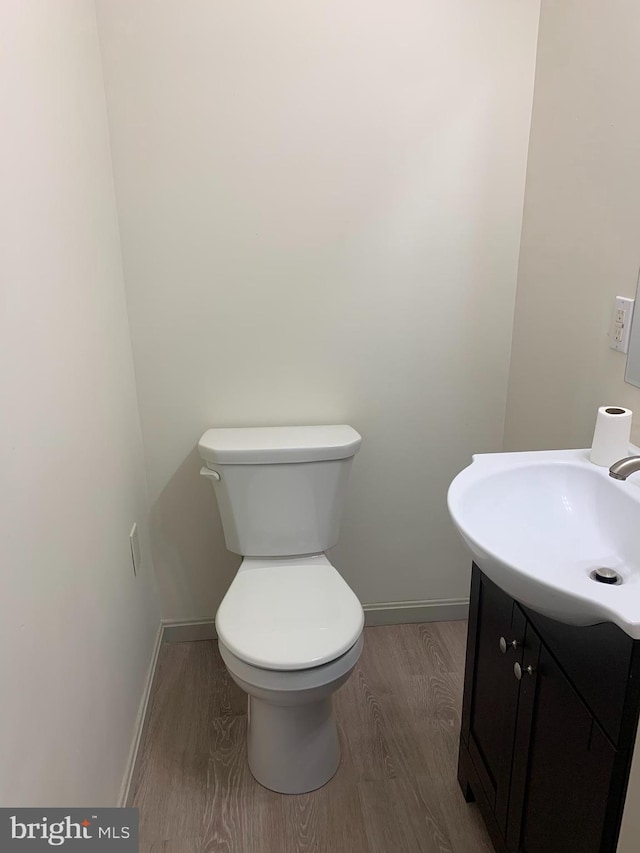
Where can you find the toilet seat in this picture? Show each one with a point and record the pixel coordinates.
(253, 678)
(289, 613)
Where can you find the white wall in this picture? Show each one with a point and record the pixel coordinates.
(77, 628)
(320, 210)
(580, 240)
(581, 230)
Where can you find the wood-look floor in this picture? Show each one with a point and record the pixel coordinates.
(395, 791)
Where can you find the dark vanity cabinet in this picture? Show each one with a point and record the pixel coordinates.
(548, 726)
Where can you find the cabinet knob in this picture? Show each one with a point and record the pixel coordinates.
(507, 645)
(518, 671)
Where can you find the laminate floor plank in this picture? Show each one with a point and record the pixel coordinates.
(398, 817)
(395, 790)
(465, 829)
(376, 737)
(329, 819)
(444, 644)
(453, 636)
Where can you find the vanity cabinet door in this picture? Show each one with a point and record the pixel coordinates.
(568, 765)
(533, 749)
(489, 716)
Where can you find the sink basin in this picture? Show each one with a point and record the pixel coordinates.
(538, 524)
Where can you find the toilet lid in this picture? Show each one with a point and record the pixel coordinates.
(289, 616)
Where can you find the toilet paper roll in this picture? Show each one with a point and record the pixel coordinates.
(611, 436)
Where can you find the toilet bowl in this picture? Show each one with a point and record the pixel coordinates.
(290, 634)
(289, 627)
(292, 737)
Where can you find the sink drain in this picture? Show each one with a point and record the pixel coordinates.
(604, 575)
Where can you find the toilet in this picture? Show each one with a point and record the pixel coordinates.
(289, 628)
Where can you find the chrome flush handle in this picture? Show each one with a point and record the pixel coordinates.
(210, 474)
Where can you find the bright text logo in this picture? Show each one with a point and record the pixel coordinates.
(28, 830)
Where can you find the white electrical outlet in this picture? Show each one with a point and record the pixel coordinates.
(621, 323)
(135, 548)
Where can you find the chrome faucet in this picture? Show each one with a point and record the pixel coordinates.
(623, 468)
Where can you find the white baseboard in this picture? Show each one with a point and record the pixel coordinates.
(140, 721)
(384, 613)
(406, 612)
(188, 630)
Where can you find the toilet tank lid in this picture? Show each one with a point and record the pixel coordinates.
(269, 445)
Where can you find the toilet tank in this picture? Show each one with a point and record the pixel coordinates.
(281, 489)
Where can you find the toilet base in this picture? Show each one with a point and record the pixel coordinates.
(292, 738)
(292, 749)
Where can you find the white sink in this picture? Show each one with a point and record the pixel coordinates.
(539, 523)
